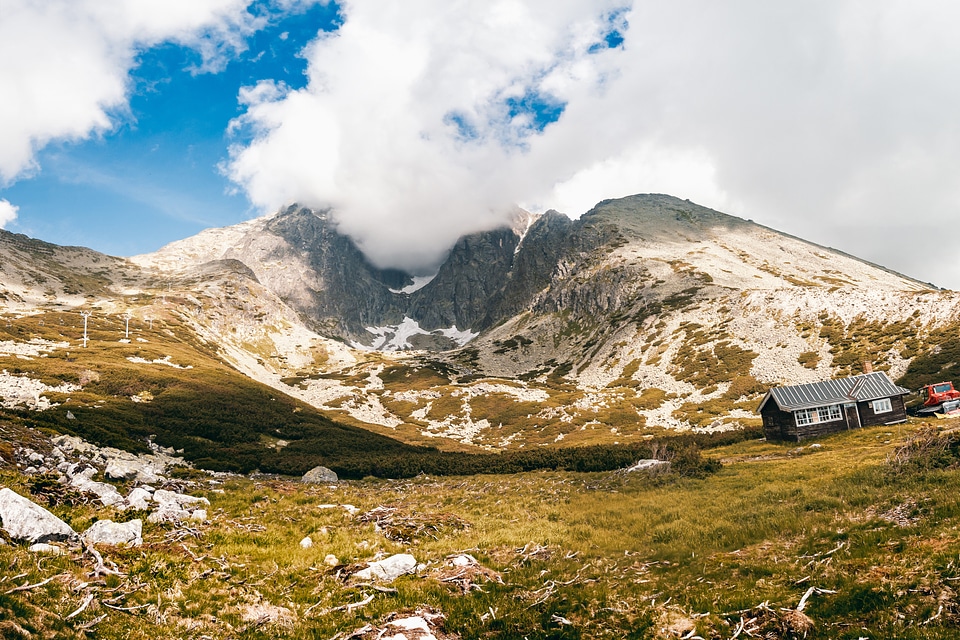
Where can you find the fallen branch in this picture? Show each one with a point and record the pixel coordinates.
(934, 616)
(80, 609)
(100, 569)
(810, 592)
(116, 608)
(86, 626)
(28, 587)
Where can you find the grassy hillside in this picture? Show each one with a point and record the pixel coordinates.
(166, 383)
(865, 528)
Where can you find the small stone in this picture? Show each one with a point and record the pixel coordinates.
(306, 543)
(330, 560)
(45, 549)
(388, 569)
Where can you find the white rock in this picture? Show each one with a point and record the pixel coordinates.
(463, 560)
(388, 569)
(349, 508)
(25, 520)
(139, 498)
(107, 493)
(650, 465)
(306, 543)
(163, 497)
(177, 507)
(331, 560)
(45, 549)
(412, 628)
(115, 533)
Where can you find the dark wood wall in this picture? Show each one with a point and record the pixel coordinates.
(781, 425)
(869, 418)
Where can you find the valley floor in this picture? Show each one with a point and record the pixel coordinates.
(853, 536)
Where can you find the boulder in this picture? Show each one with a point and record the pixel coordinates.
(388, 569)
(177, 507)
(164, 497)
(120, 465)
(107, 493)
(27, 521)
(139, 499)
(115, 533)
(319, 475)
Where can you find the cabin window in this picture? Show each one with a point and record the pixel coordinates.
(817, 414)
(882, 406)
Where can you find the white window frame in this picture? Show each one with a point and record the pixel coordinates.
(816, 415)
(883, 405)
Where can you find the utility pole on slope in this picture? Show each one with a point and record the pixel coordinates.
(86, 315)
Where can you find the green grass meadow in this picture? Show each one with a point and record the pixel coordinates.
(579, 555)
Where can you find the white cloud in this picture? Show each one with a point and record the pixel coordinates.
(66, 62)
(834, 120)
(405, 127)
(8, 213)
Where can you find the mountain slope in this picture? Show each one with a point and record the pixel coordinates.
(647, 313)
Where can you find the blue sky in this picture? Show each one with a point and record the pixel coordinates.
(132, 123)
(154, 178)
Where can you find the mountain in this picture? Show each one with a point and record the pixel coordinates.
(647, 313)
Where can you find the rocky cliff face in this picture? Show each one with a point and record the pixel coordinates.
(648, 312)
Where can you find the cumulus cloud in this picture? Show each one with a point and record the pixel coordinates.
(8, 213)
(418, 117)
(834, 120)
(66, 62)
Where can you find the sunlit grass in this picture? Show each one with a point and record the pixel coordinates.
(616, 556)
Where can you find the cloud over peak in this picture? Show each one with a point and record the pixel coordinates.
(419, 120)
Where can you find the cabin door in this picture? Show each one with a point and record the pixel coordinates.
(853, 415)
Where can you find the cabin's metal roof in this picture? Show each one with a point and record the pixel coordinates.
(862, 388)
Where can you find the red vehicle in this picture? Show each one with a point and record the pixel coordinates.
(939, 398)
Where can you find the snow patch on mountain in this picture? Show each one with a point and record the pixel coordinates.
(397, 337)
(419, 282)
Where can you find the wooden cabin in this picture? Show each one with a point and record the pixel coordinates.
(810, 410)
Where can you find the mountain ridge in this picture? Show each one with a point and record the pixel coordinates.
(647, 313)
